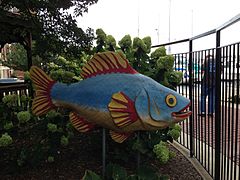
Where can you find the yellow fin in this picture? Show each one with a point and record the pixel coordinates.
(119, 137)
(122, 110)
(80, 123)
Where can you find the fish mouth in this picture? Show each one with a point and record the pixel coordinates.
(182, 114)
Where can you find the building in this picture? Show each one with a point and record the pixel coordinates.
(5, 72)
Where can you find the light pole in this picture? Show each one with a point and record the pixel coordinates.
(138, 30)
(157, 29)
(169, 26)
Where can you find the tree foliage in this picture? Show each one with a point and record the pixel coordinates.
(54, 28)
(16, 58)
(157, 64)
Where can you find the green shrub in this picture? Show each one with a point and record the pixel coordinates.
(10, 100)
(162, 152)
(90, 175)
(174, 133)
(50, 159)
(52, 127)
(23, 117)
(116, 172)
(64, 141)
(8, 125)
(5, 140)
(52, 115)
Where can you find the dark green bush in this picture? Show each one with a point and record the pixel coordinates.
(5, 140)
(116, 172)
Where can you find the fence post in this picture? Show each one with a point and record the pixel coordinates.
(191, 119)
(218, 107)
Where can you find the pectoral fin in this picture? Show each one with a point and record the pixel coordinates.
(80, 123)
(119, 137)
(122, 110)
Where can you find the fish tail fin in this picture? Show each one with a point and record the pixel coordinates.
(42, 102)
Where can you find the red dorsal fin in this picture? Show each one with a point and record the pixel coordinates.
(106, 62)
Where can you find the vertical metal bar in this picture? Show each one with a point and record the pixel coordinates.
(218, 107)
(191, 119)
(207, 86)
(237, 116)
(199, 121)
(225, 113)
(201, 139)
(186, 89)
(212, 124)
(229, 113)
(181, 92)
(222, 114)
(232, 108)
(177, 67)
(197, 109)
(194, 111)
(103, 152)
(210, 142)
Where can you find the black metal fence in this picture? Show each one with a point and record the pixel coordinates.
(211, 81)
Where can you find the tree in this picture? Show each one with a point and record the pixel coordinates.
(16, 58)
(54, 28)
(157, 64)
(100, 40)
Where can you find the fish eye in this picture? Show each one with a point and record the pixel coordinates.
(171, 100)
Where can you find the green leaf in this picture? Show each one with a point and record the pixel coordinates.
(139, 146)
(116, 172)
(133, 177)
(147, 173)
(90, 175)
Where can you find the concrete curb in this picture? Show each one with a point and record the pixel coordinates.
(195, 163)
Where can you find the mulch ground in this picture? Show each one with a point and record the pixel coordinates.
(81, 154)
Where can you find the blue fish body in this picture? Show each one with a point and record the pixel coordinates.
(96, 92)
(121, 100)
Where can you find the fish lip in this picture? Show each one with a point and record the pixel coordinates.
(182, 114)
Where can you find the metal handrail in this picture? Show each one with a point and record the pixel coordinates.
(229, 23)
(223, 26)
(203, 34)
(170, 43)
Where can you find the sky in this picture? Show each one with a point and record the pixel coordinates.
(141, 18)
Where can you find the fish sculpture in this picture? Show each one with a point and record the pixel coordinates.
(112, 95)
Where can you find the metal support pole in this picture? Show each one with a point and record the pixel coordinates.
(104, 152)
(138, 153)
(29, 49)
(218, 108)
(191, 119)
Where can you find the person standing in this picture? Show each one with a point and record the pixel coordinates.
(208, 84)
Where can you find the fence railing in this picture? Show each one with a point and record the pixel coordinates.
(214, 140)
(19, 88)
